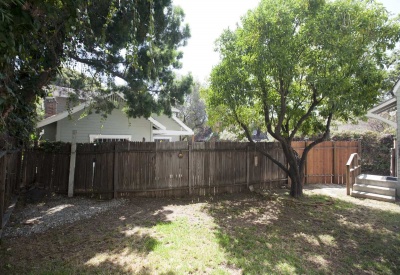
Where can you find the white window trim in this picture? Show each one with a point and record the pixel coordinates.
(93, 137)
(162, 137)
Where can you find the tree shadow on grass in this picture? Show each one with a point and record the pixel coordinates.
(259, 234)
(115, 242)
(314, 235)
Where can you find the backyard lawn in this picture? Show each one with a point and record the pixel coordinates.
(270, 233)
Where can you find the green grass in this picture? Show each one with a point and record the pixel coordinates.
(314, 235)
(247, 234)
(186, 248)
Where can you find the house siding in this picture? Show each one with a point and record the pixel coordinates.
(50, 132)
(117, 123)
(168, 122)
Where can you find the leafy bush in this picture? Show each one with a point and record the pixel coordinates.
(375, 150)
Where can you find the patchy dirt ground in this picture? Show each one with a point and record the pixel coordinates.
(59, 211)
(77, 240)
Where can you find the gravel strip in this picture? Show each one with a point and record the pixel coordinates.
(54, 212)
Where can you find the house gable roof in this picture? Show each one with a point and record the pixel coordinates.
(385, 106)
(396, 89)
(161, 129)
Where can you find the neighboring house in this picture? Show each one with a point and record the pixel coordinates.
(383, 107)
(61, 122)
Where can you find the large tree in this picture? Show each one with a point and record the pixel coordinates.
(294, 65)
(133, 41)
(193, 110)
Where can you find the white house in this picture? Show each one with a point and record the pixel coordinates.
(382, 107)
(60, 123)
(385, 106)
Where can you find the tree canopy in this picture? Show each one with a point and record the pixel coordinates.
(193, 111)
(131, 43)
(294, 65)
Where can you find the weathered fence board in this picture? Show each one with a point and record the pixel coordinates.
(47, 168)
(125, 169)
(218, 167)
(10, 167)
(262, 170)
(94, 169)
(136, 166)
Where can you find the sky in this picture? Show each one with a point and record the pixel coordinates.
(208, 18)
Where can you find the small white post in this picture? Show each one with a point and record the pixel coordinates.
(72, 165)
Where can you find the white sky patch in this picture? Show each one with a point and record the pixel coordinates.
(208, 18)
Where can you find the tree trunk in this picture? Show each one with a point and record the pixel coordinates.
(296, 173)
(296, 188)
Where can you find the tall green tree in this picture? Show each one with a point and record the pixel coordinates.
(132, 42)
(294, 65)
(393, 73)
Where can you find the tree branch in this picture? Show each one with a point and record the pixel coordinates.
(283, 106)
(320, 139)
(263, 152)
(314, 104)
(98, 63)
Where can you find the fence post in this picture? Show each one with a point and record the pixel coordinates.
(190, 167)
(305, 164)
(348, 179)
(2, 187)
(72, 165)
(247, 166)
(334, 172)
(115, 171)
(19, 170)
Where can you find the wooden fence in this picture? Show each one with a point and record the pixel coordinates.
(177, 168)
(47, 168)
(326, 162)
(10, 167)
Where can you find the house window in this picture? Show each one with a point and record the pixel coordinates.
(162, 139)
(108, 138)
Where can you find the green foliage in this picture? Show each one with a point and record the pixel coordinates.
(134, 41)
(393, 73)
(294, 65)
(375, 150)
(73, 79)
(53, 147)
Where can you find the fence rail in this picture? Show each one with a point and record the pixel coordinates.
(125, 169)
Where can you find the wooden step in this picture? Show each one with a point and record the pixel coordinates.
(372, 188)
(383, 181)
(379, 197)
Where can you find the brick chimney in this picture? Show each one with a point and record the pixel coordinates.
(50, 107)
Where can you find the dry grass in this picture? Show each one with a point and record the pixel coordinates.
(232, 234)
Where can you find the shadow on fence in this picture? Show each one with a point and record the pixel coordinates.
(148, 169)
(130, 169)
(10, 168)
